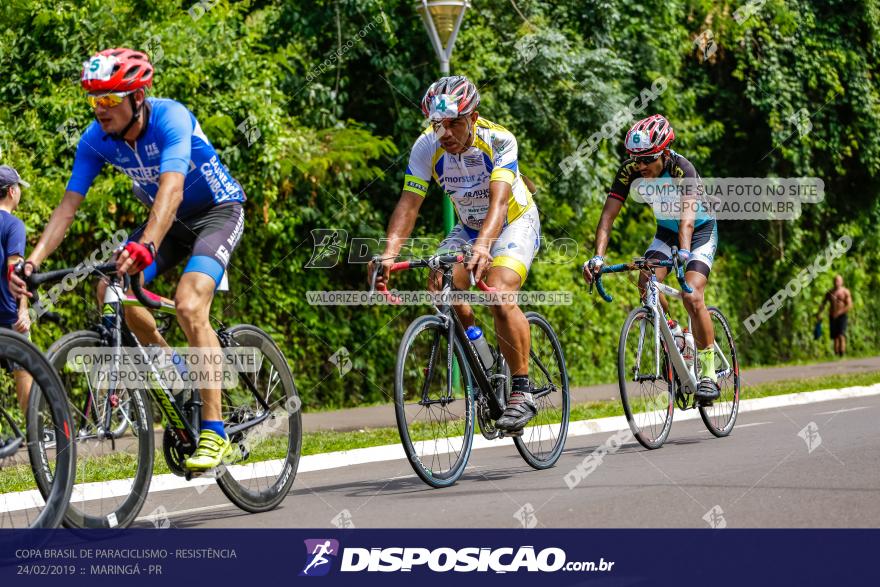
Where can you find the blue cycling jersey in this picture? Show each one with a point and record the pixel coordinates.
(173, 141)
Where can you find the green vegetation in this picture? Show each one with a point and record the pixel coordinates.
(333, 87)
(122, 465)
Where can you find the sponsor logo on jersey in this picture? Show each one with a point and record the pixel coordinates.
(239, 228)
(474, 179)
(222, 186)
(141, 174)
(223, 254)
(152, 150)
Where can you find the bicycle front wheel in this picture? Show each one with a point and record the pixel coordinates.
(433, 402)
(543, 440)
(645, 377)
(264, 408)
(113, 473)
(20, 506)
(720, 417)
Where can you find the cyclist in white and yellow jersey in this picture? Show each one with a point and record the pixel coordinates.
(475, 162)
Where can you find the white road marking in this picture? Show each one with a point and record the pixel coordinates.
(166, 515)
(842, 411)
(750, 424)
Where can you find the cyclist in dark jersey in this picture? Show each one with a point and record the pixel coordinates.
(696, 236)
(195, 209)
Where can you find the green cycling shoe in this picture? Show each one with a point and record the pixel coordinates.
(211, 452)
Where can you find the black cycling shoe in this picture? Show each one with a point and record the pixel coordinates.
(520, 409)
(707, 391)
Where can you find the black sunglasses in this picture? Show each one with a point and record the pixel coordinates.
(647, 159)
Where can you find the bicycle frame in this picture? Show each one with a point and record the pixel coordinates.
(651, 302)
(443, 264)
(186, 430)
(475, 366)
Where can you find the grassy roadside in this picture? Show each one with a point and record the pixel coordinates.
(122, 465)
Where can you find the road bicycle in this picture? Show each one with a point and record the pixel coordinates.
(440, 384)
(21, 506)
(261, 411)
(651, 370)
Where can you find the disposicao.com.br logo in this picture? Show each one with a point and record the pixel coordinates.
(464, 560)
(441, 560)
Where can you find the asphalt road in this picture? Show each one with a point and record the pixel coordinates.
(763, 475)
(383, 415)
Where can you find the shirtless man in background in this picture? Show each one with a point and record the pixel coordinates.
(840, 300)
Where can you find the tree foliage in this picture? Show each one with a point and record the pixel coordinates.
(333, 88)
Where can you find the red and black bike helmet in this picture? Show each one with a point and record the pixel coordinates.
(649, 136)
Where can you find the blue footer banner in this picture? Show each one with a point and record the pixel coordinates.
(397, 557)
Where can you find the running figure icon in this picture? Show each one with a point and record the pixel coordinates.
(318, 551)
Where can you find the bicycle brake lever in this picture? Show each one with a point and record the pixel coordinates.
(377, 266)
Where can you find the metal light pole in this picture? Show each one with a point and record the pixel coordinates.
(443, 20)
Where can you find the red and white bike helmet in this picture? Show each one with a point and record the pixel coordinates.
(117, 70)
(450, 97)
(649, 136)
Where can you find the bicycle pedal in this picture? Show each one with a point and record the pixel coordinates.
(190, 475)
(512, 433)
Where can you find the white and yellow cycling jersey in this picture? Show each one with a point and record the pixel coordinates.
(465, 177)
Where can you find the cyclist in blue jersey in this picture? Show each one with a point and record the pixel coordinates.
(196, 209)
(647, 143)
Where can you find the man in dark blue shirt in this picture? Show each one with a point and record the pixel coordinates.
(13, 313)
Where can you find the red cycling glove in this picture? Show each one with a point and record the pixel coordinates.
(140, 254)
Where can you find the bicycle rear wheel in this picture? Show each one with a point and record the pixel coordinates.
(259, 474)
(435, 419)
(543, 440)
(645, 390)
(720, 417)
(20, 505)
(112, 473)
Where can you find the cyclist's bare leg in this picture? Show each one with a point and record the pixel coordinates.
(694, 303)
(511, 325)
(461, 280)
(193, 298)
(23, 381)
(138, 319)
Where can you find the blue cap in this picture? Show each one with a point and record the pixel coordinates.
(474, 332)
(9, 176)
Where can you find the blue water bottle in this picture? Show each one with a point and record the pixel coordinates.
(475, 335)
